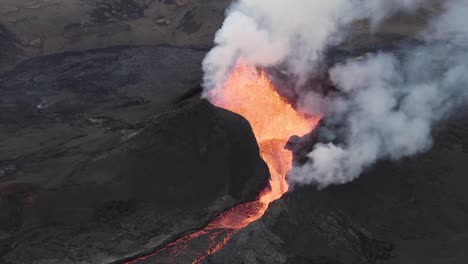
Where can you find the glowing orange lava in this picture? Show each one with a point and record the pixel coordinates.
(249, 92)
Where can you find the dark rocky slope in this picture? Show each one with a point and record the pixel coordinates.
(99, 160)
(407, 212)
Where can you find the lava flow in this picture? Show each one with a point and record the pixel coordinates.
(249, 92)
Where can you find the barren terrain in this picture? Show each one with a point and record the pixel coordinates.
(108, 153)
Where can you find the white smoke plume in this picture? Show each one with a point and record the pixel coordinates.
(295, 32)
(387, 109)
(386, 103)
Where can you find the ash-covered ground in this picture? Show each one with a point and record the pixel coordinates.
(107, 152)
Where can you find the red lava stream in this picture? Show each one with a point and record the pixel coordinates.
(249, 92)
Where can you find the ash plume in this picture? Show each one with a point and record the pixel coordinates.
(385, 103)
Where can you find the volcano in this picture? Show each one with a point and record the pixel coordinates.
(249, 93)
(112, 152)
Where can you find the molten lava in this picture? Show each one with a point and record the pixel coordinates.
(248, 92)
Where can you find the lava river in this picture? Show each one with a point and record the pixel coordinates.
(250, 93)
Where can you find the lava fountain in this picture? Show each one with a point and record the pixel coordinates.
(249, 92)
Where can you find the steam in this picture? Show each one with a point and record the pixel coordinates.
(294, 33)
(386, 103)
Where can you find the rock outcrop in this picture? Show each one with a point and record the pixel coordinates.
(101, 158)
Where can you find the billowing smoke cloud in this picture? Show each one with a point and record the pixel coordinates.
(295, 32)
(386, 103)
(386, 110)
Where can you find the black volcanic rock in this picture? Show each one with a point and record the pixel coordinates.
(47, 27)
(186, 158)
(131, 83)
(6, 242)
(401, 212)
(101, 159)
(11, 52)
(218, 154)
